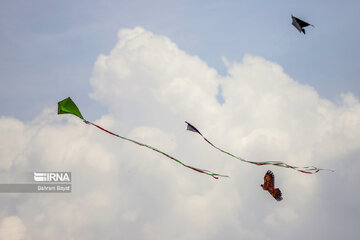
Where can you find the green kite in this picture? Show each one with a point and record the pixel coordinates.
(67, 106)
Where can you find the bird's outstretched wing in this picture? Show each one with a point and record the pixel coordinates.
(277, 194)
(269, 180)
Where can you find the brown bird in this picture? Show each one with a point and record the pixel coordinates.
(269, 182)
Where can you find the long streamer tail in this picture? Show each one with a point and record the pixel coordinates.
(308, 169)
(212, 174)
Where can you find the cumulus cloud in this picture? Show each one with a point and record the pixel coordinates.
(11, 141)
(150, 88)
(12, 228)
(148, 75)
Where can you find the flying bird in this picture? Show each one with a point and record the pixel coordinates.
(300, 24)
(269, 182)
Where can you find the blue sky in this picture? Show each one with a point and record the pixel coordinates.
(48, 48)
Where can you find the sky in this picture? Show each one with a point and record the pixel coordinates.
(237, 70)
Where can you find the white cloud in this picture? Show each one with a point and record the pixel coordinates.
(281, 216)
(12, 228)
(11, 142)
(150, 86)
(147, 75)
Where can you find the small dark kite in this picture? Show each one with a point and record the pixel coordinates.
(269, 182)
(300, 24)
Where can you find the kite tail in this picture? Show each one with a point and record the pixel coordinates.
(212, 174)
(308, 169)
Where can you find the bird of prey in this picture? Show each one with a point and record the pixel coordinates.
(300, 24)
(269, 181)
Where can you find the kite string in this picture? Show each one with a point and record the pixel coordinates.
(214, 175)
(308, 169)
